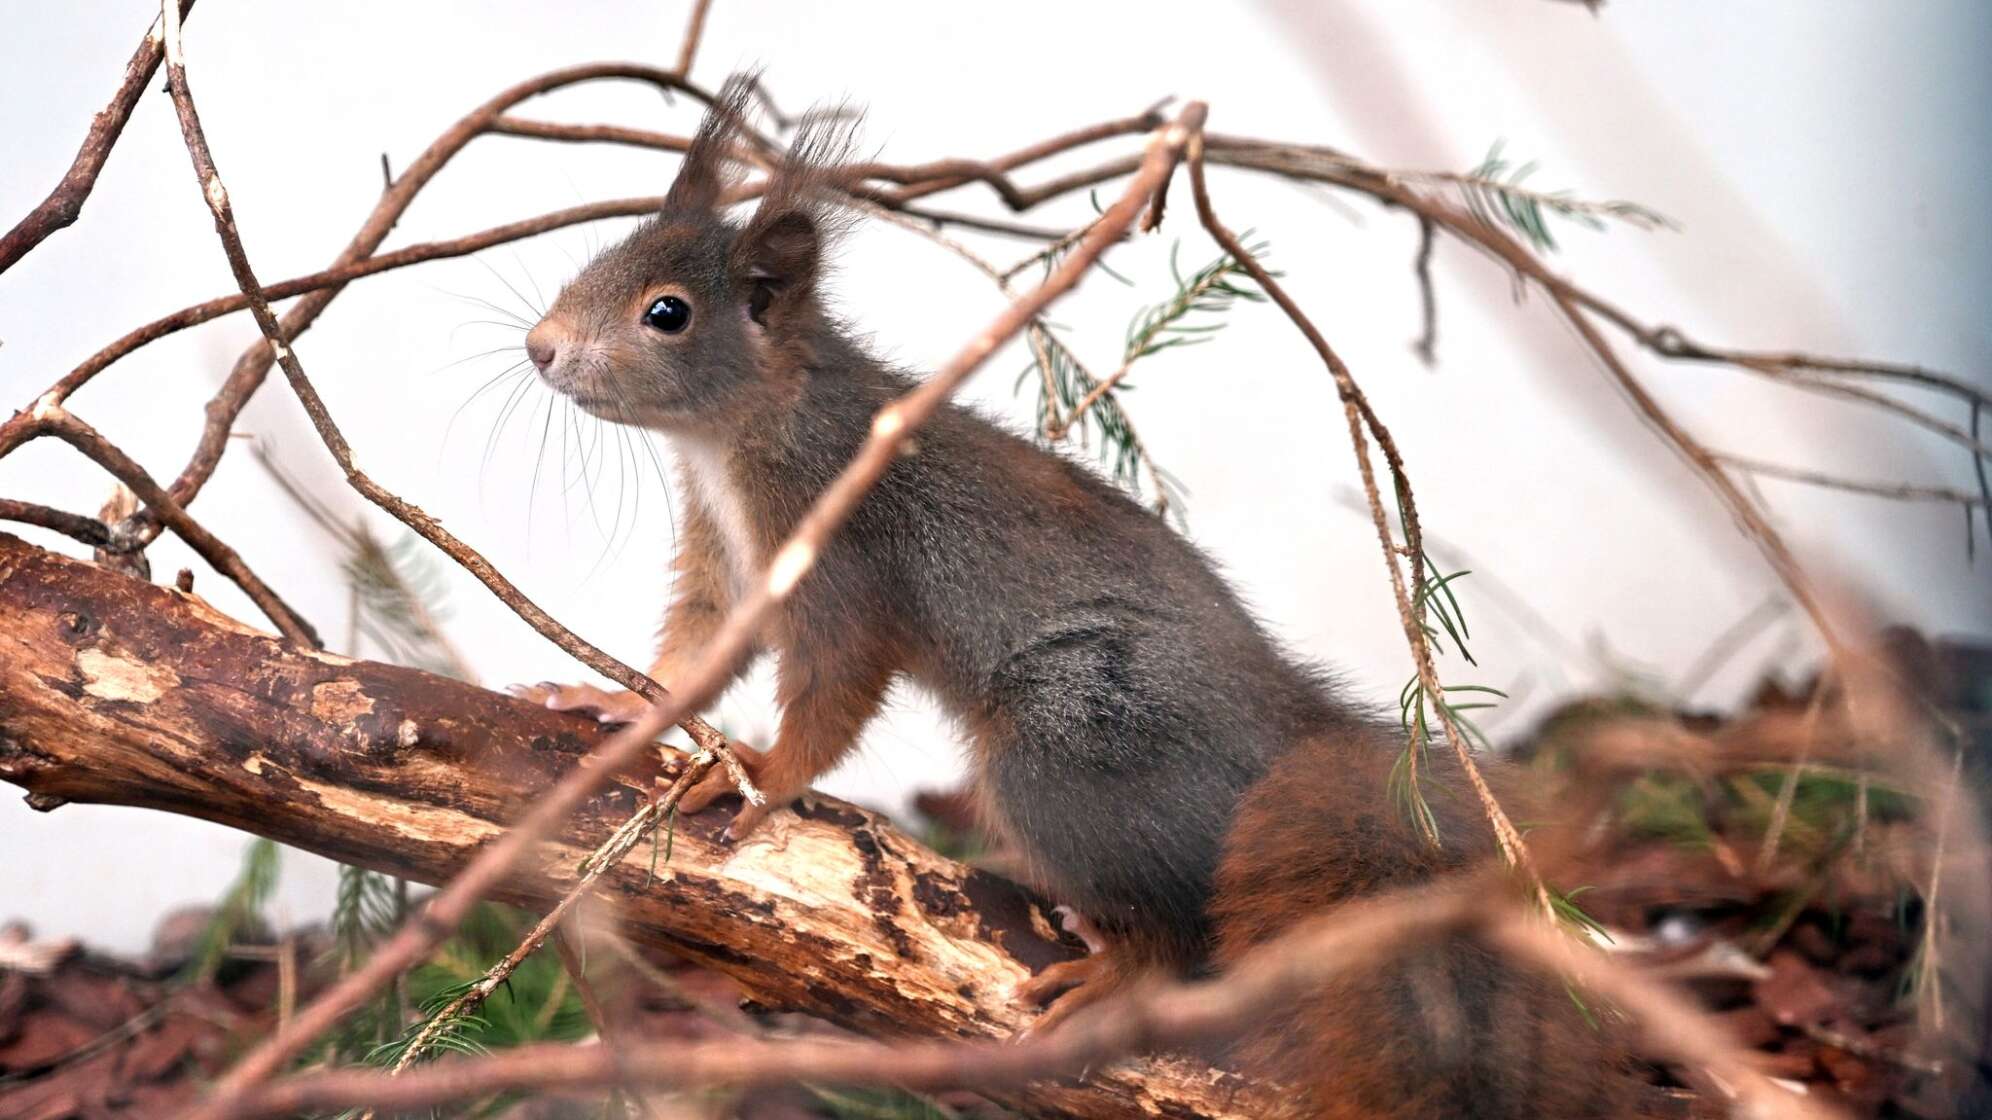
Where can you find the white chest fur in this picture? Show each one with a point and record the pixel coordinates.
(711, 486)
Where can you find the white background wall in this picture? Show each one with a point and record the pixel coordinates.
(1826, 161)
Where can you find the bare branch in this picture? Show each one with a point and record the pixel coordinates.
(254, 364)
(705, 735)
(694, 31)
(1427, 346)
(75, 526)
(1903, 491)
(65, 203)
(69, 428)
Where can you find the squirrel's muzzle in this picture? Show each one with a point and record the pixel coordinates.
(543, 344)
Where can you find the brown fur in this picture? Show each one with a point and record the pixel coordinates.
(1452, 1031)
(1123, 704)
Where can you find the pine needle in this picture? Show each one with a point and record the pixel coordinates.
(1495, 193)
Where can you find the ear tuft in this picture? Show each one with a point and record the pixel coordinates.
(778, 255)
(709, 167)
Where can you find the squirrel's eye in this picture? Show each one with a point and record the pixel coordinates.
(669, 314)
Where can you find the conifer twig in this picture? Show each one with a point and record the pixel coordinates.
(1208, 290)
(610, 853)
(1362, 419)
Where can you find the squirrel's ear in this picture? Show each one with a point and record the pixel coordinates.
(776, 259)
(779, 254)
(709, 167)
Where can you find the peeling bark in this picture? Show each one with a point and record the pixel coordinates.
(121, 692)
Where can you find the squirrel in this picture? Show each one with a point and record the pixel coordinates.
(1182, 784)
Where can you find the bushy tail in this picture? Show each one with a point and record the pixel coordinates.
(1451, 1030)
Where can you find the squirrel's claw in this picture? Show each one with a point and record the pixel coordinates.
(746, 821)
(607, 707)
(719, 782)
(1066, 988)
(1058, 978)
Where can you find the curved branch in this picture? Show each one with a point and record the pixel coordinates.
(70, 429)
(75, 526)
(64, 204)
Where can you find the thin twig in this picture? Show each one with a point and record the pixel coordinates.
(1427, 346)
(1929, 951)
(1361, 417)
(694, 32)
(65, 203)
(75, 526)
(1900, 491)
(360, 544)
(1726, 644)
(1767, 852)
(604, 857)
(1049, 251)
(923, 179)
(606, 1029)
(70, 429)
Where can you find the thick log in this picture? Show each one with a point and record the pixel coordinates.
(121, 692)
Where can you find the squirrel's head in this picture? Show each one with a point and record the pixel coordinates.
(692, 318)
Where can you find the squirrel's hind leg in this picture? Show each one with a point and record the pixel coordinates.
(1068, 987)
(1109, 967)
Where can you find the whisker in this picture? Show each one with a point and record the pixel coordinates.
(539, 461)
(537, 314)
(495, 309)
(522, 328)
(450, 365)
(541, 305)
(519, 394)
(625, 468)
(516, 369)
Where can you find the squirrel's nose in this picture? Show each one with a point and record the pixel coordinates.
(541, 347)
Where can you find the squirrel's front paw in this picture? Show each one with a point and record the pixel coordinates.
(606, 707)
(777, 791)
